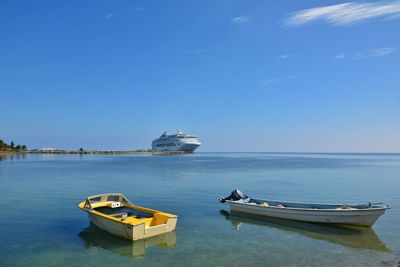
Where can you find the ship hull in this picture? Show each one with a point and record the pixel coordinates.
(189, 148)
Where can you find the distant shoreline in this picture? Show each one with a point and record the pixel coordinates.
(149, 152)
(95, 152)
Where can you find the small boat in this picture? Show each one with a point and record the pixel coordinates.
(357, 214)
(114, 213)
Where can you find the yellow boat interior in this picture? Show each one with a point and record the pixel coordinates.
(117, 207)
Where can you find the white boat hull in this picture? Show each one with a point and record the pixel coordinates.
(132, 232)
(113, 227)
(357, 217)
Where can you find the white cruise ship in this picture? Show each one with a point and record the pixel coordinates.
(176, 142)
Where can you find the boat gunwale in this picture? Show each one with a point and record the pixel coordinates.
(309, 209)
(107, 216)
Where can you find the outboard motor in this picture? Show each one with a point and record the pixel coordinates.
(234, 196)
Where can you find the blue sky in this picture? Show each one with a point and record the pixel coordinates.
(285, 76)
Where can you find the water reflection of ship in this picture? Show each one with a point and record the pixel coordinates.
(354, 237)
(96, 238)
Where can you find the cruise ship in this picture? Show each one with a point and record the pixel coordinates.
(176, 142)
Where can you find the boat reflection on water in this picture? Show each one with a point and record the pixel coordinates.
(95, 238)
(350, 236)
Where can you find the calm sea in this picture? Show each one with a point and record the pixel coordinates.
(41, 225)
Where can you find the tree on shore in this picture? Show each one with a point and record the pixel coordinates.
(2, 144)
(81, 150)
(12, 146)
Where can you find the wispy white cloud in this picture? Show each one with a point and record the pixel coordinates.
(108, 16)
(285, 56)
(378, 52)
(339, 56)
(346, 13)
(382, 51)
(240, 20)
(276, 80)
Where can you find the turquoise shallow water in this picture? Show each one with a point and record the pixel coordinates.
(41, 225)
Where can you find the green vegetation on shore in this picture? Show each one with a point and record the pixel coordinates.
(11, 147)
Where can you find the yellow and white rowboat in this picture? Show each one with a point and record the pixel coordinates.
(114, 213)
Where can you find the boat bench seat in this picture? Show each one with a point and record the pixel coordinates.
(160, 218)
(133, 220)
(148, 222)
(119, 214)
